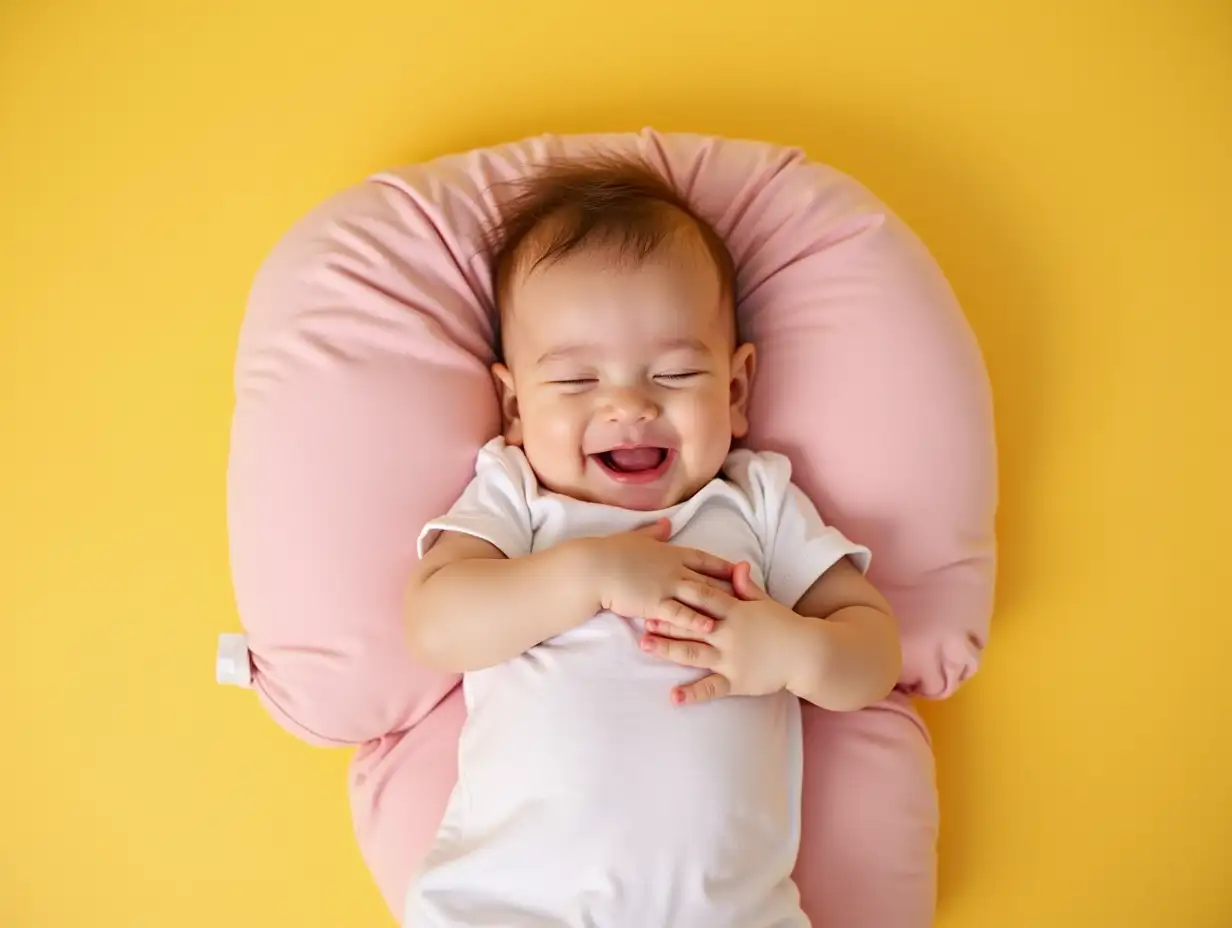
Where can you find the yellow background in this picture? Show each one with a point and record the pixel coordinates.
(1069, 165)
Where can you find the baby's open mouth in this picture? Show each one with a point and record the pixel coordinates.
(635, 464)
(632, 460)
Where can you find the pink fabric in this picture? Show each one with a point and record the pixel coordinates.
(362, 397)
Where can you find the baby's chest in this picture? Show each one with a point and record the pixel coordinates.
(726, 535)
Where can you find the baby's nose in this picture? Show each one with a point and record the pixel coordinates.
(629, 405)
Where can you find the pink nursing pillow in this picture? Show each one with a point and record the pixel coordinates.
(363, 396)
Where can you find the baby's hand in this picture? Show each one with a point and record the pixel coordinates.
(640, 575)
(752, 650)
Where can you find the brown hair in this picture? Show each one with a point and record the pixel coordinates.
(604, 201)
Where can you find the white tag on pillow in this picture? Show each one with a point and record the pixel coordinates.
(232, 667)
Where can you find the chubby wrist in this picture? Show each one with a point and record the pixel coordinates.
(809, 656)
(580, 563)
(849, 662)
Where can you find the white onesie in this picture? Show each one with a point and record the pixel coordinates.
(585, 798)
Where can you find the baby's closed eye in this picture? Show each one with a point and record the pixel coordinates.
(678, 377)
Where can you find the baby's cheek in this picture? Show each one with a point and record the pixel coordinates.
(551, 435)
(705, 425)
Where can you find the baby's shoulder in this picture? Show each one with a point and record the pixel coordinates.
(763, 476)
(499, 461)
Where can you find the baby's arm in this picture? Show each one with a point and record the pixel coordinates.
(468, 606)
(838, 648)
(819, 629)
(852, 657)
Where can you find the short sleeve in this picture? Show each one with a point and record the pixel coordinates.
(803, 548)
(798, 546)
(493, 507)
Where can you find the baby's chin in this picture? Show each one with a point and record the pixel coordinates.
(642, 499)
(638, 498)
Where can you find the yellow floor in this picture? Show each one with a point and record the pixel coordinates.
(1069, 169)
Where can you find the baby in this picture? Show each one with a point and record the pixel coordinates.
(636, 608)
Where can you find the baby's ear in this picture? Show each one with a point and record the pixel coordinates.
(511, 422)
(743, 367)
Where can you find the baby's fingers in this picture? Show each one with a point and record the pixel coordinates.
(727, 586)
(668, 630)
(682, 617)
(714, 686)
(706, 598)
(686, 653)
(705, 563)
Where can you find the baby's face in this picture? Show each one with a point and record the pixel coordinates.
(624, 385)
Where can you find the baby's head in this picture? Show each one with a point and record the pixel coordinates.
(622, 376)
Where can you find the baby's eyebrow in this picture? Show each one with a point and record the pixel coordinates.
(573, 349)
(681, 344)
(567, 351)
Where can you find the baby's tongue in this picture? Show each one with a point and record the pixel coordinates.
(635, 458)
